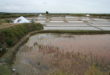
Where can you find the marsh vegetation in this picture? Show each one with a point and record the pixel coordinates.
(10, 36)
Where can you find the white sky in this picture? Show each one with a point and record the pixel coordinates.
(56, 6)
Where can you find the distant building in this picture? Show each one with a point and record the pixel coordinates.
(21, 20)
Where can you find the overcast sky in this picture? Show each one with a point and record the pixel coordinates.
(56, 6)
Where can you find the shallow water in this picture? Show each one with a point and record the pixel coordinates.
(98, 44)
(44, 53)
(69, 28)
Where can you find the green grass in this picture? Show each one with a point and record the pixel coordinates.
(4, 21)
(93, 70)
(5, 70)
(13, 34)
(10, 36)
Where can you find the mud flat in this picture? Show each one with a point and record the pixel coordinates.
(45, 54)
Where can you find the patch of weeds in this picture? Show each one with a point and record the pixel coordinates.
(5, 70)
(94, 70)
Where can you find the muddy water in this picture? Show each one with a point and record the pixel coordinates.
(46, 53)
(96, 44)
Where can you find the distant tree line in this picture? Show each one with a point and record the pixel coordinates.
(14, 15)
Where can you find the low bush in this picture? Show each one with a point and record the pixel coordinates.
(5, 21)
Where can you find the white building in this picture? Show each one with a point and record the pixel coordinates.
(21, 20)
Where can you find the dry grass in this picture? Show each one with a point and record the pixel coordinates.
(74, 63)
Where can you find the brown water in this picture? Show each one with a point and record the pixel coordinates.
(45, 53)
